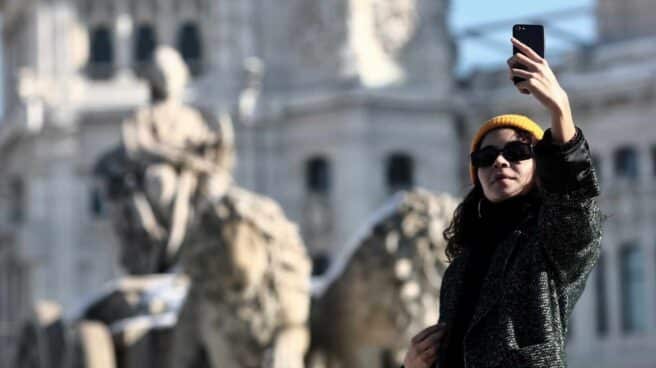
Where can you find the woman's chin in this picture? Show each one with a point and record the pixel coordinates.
(501, 194)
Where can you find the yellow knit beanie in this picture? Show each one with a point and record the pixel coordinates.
(503, 121)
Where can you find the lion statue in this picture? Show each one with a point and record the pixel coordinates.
(385, 287)
(249, 299)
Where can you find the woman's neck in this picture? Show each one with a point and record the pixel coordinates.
(498, 219)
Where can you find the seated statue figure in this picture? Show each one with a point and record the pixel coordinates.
(175, 207)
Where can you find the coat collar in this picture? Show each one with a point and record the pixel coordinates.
(492, 286)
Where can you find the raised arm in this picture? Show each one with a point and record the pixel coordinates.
(569, 220)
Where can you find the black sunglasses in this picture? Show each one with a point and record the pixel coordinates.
(513, 151)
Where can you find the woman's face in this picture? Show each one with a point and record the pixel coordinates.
(505, 179)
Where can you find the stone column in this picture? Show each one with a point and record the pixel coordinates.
(166, 24)
(613, 285)
(607, 168)
(124, 29)
(583, 323)
(648, 244)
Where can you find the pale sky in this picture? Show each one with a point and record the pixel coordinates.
(470, 13)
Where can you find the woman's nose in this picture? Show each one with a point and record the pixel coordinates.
(501, 161)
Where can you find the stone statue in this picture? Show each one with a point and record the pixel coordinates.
(170, 153)
(173, 201)
(220, 278)
(385, 287)
(249, 300)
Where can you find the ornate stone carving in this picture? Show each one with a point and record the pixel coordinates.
(176, 207)
(395, 23)
(172, 199)
(169, 152)
(250, 285)
(319, 29)
(388, 288)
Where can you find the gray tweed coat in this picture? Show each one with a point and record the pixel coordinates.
(538, 272)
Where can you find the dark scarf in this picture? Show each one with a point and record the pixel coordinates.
(494, 223)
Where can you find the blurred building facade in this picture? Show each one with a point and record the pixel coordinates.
(357, 100)
(353, 105)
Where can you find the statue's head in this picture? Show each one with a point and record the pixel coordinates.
(168, 75)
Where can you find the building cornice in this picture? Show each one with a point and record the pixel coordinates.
(279, 109)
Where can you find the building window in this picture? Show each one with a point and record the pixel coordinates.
(144, 46)
(601, 298)
(317, 174)
(101, 54)
(632, 285)
(399, 172)
(626, 163)
(17, 201)
(191, 47)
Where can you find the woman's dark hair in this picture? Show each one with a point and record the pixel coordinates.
(465, 217)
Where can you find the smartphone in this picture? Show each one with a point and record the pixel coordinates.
(531, 35)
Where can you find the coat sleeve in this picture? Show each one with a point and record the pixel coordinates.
(451, 284)
(569, 221)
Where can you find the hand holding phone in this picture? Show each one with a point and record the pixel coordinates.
(535, 77)
(532, 35)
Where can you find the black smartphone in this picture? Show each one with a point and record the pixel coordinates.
(532, 35)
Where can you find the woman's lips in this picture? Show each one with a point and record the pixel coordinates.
(501, 177)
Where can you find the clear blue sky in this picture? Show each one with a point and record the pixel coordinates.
(469, 13)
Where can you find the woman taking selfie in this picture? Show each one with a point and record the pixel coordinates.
(521, 243)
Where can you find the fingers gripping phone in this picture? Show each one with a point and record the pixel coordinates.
(532, 35)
